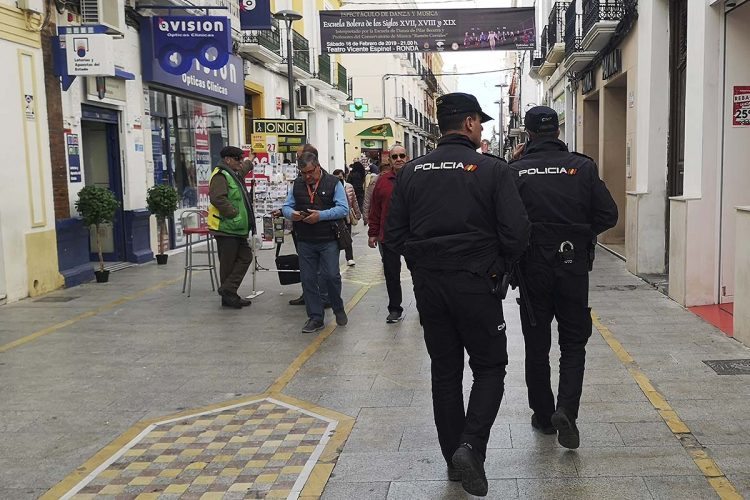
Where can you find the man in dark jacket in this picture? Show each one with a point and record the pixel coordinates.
(381, 200)
(230, 219)
(317, 205)
(457, 218)
(568, 206)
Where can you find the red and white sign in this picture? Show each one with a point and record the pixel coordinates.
(741, 106)
(202, 155)
(278, 104)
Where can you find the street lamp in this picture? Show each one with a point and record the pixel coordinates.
(289, 16)
(501, 142)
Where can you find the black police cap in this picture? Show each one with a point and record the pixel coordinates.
(231, 152)
(457, 103)
(541, 119)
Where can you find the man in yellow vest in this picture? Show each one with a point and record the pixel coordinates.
(230, 219)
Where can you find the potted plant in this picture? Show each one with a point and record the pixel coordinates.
(97, 206)
(161, 201)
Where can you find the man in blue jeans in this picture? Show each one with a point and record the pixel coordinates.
(315, 204)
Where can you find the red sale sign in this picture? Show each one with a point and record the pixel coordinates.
(741, 106)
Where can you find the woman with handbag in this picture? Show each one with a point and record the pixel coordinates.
(354, 213)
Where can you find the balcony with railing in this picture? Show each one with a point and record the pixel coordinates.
(600, 20)
(264, 45)
(342, 85)
(324, 68)
(402, 111)
(536, 63)
(429, 78)
(576, 58)
(556, 32)
(301, 52)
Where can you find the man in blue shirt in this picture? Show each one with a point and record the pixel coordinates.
(316, 204)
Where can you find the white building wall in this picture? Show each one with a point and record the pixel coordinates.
(26, 204)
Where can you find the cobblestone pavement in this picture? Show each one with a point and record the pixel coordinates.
(131, 388)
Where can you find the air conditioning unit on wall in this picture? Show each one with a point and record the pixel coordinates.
(32, 5)
(109, 13)
(305, 97)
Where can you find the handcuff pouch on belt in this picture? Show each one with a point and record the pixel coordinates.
(566, 253)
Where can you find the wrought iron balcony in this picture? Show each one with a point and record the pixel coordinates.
(264, 44)
(556, 32)
(544, 46)
(324, 68)
(401, 110)
(430, 79)
(301, 51)
(341, 81)
(600, 20)
(576, 55)
(601, 10)
(573, 31)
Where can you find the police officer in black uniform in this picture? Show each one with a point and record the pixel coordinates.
(457, 218)
(568, 205)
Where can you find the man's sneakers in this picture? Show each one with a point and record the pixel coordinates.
(312, 325)
(341, 318)
(394, 317)
(350, 262)
(567, 432)
(471, 469)
(544, 428)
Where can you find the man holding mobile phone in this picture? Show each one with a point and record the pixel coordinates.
(315, 203)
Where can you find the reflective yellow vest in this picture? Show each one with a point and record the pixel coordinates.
(238, 225)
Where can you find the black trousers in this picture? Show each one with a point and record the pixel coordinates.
(235, 258)
(555, 292)
(392, 272)
(458, 312)
(349, 250)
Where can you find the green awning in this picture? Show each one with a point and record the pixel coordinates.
(382, 130)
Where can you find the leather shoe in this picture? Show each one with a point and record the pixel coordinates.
(453, 474)
(299, 301)
(567, 432)
(231, 302)
(545, 428)
(473, 478)
(245, 302)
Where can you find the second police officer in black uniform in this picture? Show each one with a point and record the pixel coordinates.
(457, 218)
(568, 205)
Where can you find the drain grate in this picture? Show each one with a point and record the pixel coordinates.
(730, 366)
(56, 299)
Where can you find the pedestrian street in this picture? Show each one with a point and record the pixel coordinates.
(130, 389)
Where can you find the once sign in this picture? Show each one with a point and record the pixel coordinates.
(426, 30)
(280, 127)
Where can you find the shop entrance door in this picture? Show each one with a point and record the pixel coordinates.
(100, 147)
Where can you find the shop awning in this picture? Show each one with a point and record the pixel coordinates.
(381, 130)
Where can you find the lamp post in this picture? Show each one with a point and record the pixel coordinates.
(501, 142)
(289, 16)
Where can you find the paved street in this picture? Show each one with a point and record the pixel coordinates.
(139, 366)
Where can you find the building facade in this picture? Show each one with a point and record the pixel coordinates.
(140, 126)
(28, 250)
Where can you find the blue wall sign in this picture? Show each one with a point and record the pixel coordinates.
(255, 14)
(178, 40)
(74, 157)
(225, 83)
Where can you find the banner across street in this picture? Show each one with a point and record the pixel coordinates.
(374, 31)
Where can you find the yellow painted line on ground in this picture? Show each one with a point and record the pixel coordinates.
(88, 314)
(291, 370)
(708, 467)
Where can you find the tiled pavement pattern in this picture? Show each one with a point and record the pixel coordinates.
(369, 271)
(262, 449)
(68, 394)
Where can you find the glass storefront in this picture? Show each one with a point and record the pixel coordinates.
(187, 135)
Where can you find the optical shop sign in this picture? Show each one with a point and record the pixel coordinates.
(741, 106)
(425, 30)
(202, 65)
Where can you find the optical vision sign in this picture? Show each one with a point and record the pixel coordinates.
(178, 40)
(425, 30)
(255, 14)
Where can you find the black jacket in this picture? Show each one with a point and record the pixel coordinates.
(563, 194)
(455, 209)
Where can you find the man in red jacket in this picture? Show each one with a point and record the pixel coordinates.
(381, 200)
